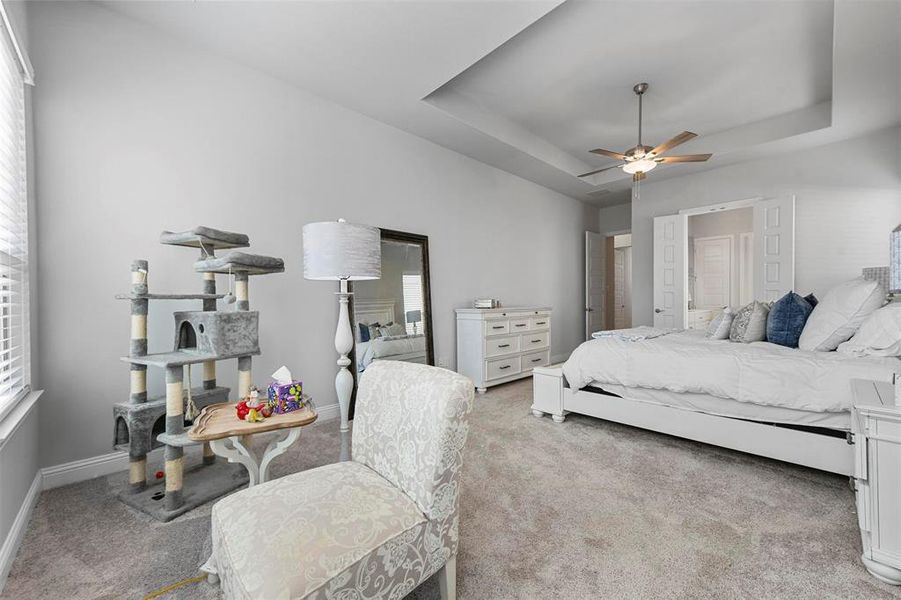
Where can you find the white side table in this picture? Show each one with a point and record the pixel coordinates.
(876, 429)
(547, 392)
(218, 425)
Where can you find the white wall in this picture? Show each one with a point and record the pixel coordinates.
(138, 132)
(615, 219)
(848, 199)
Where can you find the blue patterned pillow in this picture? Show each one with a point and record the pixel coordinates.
(364, 332)
(786, 320)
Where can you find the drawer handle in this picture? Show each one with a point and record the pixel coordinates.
(541, 322)
(536, 360)
(505, 367)
(503, 345)
(520, 324)
(498, 327)
(535, 341)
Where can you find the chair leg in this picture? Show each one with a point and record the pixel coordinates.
(447, 579)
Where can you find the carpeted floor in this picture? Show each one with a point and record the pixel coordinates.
(586, 509)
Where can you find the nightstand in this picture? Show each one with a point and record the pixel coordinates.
(876, 430)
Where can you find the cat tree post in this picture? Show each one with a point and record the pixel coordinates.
(209, 367)
(242, 296)
(175, 425)
(137, 461)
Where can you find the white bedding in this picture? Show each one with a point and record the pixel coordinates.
(387, 347)
(757, 373)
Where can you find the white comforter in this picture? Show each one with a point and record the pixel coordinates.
(758, 373)
(386, 347)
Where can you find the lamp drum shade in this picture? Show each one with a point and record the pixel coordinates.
(336, 250)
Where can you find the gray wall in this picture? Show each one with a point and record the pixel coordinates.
(848, 199)
(138, 132)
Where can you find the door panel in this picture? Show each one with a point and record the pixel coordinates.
(594, 283)
(669, 271)
(713, 272)
(774, 248)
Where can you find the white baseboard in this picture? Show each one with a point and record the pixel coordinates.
(17, 531)
(328, 412)
(84, 469)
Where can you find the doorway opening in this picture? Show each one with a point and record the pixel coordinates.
(619, 281)
(720, 263)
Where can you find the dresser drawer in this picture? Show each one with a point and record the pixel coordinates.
(543, 322)
(502, 367)
(501, 345)
(517, 325)
(497, 326)
(534, 341)
(535, 359)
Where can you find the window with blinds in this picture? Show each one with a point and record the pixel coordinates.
(14, 334)
(413, 301)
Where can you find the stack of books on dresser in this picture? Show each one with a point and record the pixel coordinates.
(486, 303)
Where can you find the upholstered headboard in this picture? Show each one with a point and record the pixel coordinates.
(372, 311)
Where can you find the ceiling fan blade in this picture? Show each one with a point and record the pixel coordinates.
(638, 176)
(684, 158)
(600, 170)
(679, 139)
(609, 153)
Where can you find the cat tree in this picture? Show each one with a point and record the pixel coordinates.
(201, 337)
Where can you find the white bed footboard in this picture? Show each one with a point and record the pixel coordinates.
(827, 453)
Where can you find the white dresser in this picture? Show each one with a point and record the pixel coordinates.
(876, 431)
(498, 345)
(698, 318)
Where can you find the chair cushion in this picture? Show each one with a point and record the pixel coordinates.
(293, 537)
(787, 319)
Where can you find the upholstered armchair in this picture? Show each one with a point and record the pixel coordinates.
(374, 527)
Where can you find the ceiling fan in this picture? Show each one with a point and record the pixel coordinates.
(639, 160)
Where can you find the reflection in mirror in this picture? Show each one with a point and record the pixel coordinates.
(391, 314)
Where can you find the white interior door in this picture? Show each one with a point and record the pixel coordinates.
(619, 289)
(774, 247)
(713, 271)
(669, 271)
(594, 283)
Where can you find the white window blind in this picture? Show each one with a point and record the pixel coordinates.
(15, 365)
(412, 299)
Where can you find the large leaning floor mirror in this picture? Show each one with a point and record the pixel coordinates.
(392, 316)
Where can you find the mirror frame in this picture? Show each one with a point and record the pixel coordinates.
(410, 238)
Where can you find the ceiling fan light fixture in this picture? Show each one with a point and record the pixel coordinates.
(639, 166)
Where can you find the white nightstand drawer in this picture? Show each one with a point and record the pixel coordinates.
(501, 345)
(534, 341)
(495, 369)
(542, 322)
(535, 359)
(497, 326)
(517, 325)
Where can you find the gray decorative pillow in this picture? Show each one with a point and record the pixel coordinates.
(749, 324)
(720, 327)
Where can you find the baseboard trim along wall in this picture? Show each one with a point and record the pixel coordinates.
(107, 464)
(17, 531)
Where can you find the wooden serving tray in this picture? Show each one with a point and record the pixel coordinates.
(218, 421)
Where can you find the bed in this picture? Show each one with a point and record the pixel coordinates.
(407, 348)
(760, 398)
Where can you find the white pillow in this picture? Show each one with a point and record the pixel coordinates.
(718, 328)
(839, 314)
(749, 324)
(879, 335)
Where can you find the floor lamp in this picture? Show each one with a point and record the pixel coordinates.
(342, 251)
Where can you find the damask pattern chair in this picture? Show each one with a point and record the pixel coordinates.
(374, 527)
